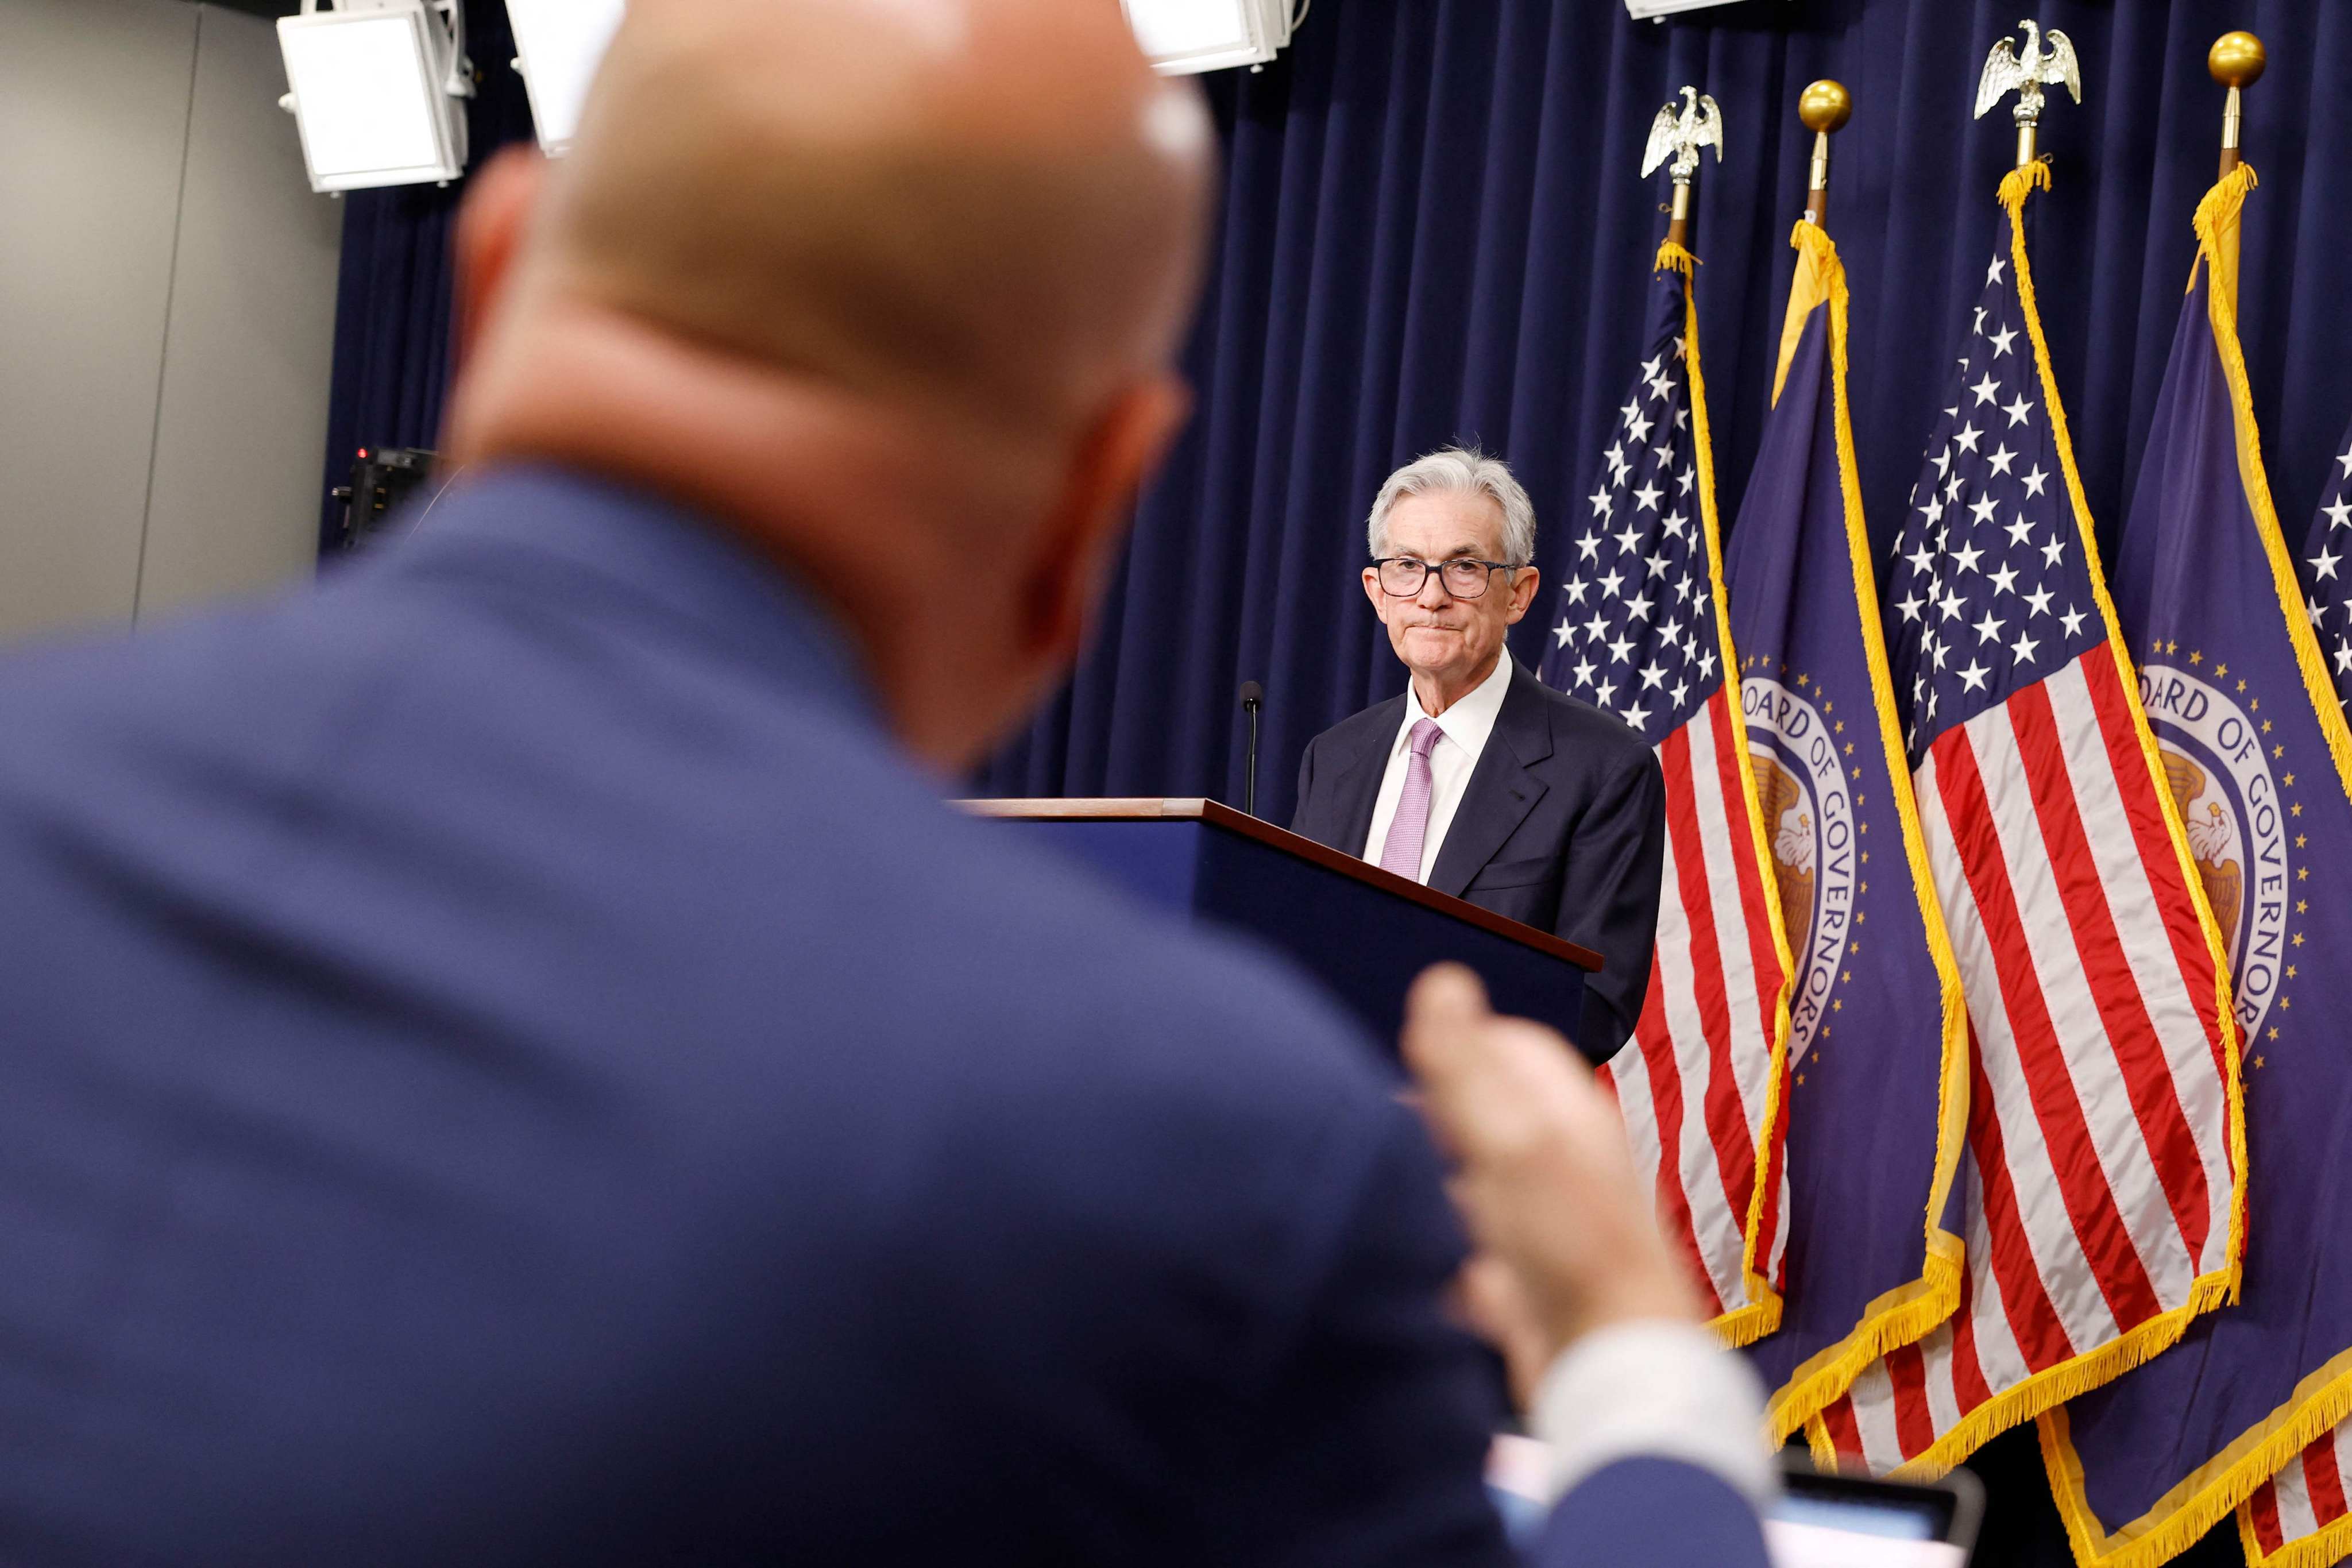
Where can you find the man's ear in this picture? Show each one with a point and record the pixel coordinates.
(1072, 559)
(1523, 592)
(500, 199)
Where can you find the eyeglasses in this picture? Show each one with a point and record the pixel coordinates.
(1401, 576)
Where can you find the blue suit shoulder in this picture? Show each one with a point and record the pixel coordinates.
(1579, 726)
(1363, 729)
(570, 981)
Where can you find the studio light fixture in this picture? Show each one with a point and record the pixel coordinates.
(377, 89)
(1186, 37)
(559, 44)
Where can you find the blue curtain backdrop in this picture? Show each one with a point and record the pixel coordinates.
(1433, 228)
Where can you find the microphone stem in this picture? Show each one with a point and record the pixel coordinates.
(1249, 786)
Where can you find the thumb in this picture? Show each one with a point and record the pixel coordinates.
(1442, 1014)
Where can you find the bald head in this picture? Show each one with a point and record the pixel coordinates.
(893, 287)
(988, 209)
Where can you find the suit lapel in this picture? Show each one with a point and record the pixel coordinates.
(1502, 789)
(1357, 788)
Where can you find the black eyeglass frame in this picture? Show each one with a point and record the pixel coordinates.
(1486, 579)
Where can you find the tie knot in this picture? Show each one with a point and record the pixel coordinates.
(1425, 736)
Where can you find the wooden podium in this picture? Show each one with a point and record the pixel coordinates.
(1364, 933)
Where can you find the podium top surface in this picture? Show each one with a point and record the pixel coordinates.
(1217, 814)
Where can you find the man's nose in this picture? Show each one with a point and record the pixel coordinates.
(1433, 595)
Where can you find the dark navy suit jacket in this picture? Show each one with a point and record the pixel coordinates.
(1562, 827)
(503, 1063)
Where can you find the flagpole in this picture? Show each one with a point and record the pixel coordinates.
(2236, 61)
(1824, 110)
(1678, 225)
(1680, 134)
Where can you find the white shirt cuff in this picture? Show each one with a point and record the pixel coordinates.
(1654, 1390)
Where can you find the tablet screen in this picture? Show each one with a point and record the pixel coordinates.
(1796, 1544)
(1839, 1521)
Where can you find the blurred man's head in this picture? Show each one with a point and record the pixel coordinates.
(894, 287)
(1451, 535)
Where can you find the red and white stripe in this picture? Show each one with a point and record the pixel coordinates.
(2100, 1188)
(1694, 1081)
(2288, 1519)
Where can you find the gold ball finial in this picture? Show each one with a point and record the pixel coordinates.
(1827, 105)
(2237, 60)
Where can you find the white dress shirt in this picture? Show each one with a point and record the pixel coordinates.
(1466, 724)
(1657, 1390)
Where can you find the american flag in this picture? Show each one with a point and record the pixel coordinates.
(2327, 574)
(1639, 631)
(2099, 1198)
(2300, 1516)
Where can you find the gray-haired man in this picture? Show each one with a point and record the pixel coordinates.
(1480, 780)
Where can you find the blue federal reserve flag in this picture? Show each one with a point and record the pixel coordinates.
(2302, 1517)
(1877, 1107)
(2259, 762)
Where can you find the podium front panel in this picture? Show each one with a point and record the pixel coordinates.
(1363, 945)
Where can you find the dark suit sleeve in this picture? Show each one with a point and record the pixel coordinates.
(1370, 1445)
(1609, 897)
(1367, 1445)
(1655, 1512)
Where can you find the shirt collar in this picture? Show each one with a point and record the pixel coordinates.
(1469, 722)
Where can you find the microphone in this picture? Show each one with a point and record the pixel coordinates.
(1253, 698)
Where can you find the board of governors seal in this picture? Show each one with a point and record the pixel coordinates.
(1809, 828)
(2219, 775)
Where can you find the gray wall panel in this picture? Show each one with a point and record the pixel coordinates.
(93, 113)
(245, 368)
(166, 313)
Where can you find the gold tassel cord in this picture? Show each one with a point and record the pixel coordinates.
(2019, 182)
(1672, 257)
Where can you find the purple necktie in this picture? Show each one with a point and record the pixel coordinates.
(1401, 852)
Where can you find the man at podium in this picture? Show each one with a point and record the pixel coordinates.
(1480, 780)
